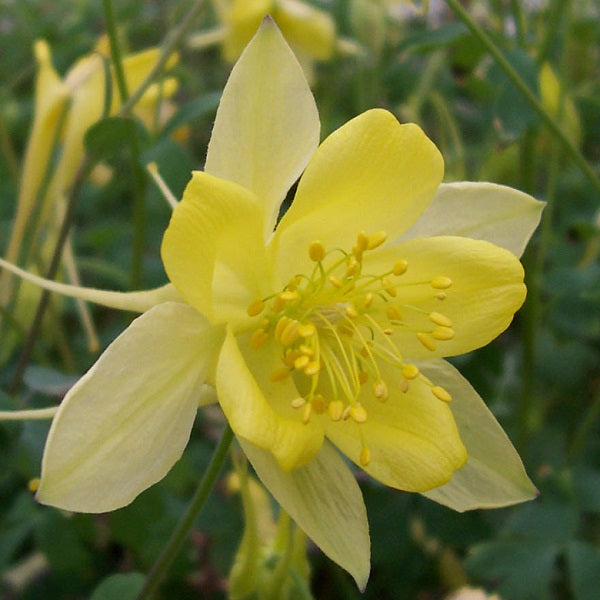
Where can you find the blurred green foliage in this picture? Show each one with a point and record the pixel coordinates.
(541, 378)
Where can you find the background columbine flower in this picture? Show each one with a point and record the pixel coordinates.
(332, 326)
(65, 108)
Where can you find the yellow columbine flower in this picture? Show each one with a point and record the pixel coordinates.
(309, 31)
(323, 330)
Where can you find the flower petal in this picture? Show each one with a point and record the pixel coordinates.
(494, 475)
(371, 174)
(325, 501)
(50, 98)
(267, 124)
(259, 410)
(213, 248)
(412, 438)
(127, 420)
(486, 290)
(482, 211)
(134, 301)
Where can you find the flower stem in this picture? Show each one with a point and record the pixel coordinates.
(115, 50)
(167, 50)
(570, 149)
(186, 523)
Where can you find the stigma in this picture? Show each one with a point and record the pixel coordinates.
(336, 326)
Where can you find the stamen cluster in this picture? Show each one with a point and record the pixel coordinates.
(333, 335)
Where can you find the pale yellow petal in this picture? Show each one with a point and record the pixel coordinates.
(372, 174)
(412, 438)
(213, 248)
(259, 410)
(126, 422)
(267, 125)
(133, 301)
(494, 475)
(50, 102)
(482, 211)
(485, 289)
(325, 501)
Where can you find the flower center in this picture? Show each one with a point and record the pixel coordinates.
(336, 326)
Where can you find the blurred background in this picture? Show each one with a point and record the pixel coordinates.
(424, 63)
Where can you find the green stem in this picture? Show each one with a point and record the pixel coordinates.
(80, 177)
(584, 429)
(179, 536)
(551, 30)
(168, 48)
(115, 50)
(139, 215)
(520, 23)
(570, 149)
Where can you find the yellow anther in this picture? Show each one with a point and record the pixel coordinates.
(403, 386)
(388, 286)
(440, 319)
(281, 325)
(298, 402)
(369, 299)
(33, 484)
(376, 239)
(351, 311)
(258, 339)
(306, 413)
(441, 296)
(443, 333)
(363, 377)
(394, 313)
(352, 266)
(440, 393)
(312, 368)
(318, 404)
(410, 371)
(306, 330)
(278, 304)
(289, 295)
(380, 390)
(280, 374)
(301, 362)
(362, 242)
(441, 283)
(316, 251)
(365, 456)
(346, 412)
(335, 410)
(388, 331)
(304, 349)
(290, 333)
(426, 340)
(358, 413)
(400, 267)
(290, 356)
(255, 307)
(335, 281)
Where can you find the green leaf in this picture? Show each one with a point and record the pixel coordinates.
(48, 381)
(548, 523)
(108, 137)
(122, 586)
(523, 570)
(494, 475)
(584, 570)
(325, 501)
(202, 107)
